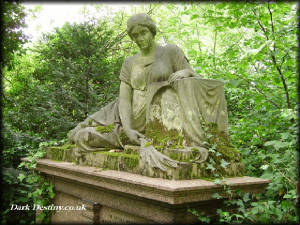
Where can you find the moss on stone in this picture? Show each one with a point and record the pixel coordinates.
(82, 125)
(58, 152)
(229, 153)
(66, 146)
(117, 154)
(131, 160)
(177, 155)
(161, 137)
(128, 151)
(131, 149)
(123, 138)
(105, 129)
(173, 155)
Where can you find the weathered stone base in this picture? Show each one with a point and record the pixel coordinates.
(129, 161)
(121, 197)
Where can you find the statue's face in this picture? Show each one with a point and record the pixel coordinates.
(142, 36)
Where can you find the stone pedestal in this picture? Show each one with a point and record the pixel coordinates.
(110, 196)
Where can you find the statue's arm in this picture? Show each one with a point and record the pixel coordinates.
(125, 110)
(125, 100)
(180, 64)
(183, 73)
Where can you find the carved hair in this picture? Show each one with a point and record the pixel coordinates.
(143, 20)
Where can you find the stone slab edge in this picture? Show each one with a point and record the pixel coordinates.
(163, 190)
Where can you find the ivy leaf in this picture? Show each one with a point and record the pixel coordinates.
(194, 16)
(264, 167)
(209, 136)
(218, 154)
(217, 181)
(224, 164)
(210, 167)
(285, 136)
(21, 177)
(216, 196)
(291, 195)
(51, 194)
(246, 197)
(277, 144)
(21, 164)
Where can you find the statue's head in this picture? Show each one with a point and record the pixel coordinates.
(140, 19)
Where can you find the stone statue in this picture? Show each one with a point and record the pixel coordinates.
(163, 105)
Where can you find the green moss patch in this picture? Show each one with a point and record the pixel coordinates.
(161, 137)
(123, 138)
(60, 153)
(118, 154)
(105, 129)
(130, 161)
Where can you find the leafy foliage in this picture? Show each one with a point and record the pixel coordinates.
(12, 37)
(25, 187)
(68, 75)
(252, 49)
(45, 96)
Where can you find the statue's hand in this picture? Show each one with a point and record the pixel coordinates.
(181, 74)
(134, 136)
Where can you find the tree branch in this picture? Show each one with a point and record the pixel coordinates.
(276, 65)
(215, 39)
(259, 91)
(198, 42)
(278, 68)
(283, 58)
(271, 16)
(260, 24)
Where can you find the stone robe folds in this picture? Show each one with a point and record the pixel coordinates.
(184, 104)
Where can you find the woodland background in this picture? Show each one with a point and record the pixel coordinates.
(51, 85)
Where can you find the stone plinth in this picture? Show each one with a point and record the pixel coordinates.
(122, 197)
(128, 160)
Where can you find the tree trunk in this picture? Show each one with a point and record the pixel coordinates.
(215, 44)
(86, 95)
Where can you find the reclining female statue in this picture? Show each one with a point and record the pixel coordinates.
(156, 82)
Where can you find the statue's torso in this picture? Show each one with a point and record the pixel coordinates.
(146, 71)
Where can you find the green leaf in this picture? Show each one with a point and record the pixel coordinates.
(277, 144)
(21, 177)
(234, 83)
(264, 167)
(220, 5)
(217, 181)
(224, 164)
(246, 197)
(210, 167)
(194, 16)
(21, 164)
(216, 196)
